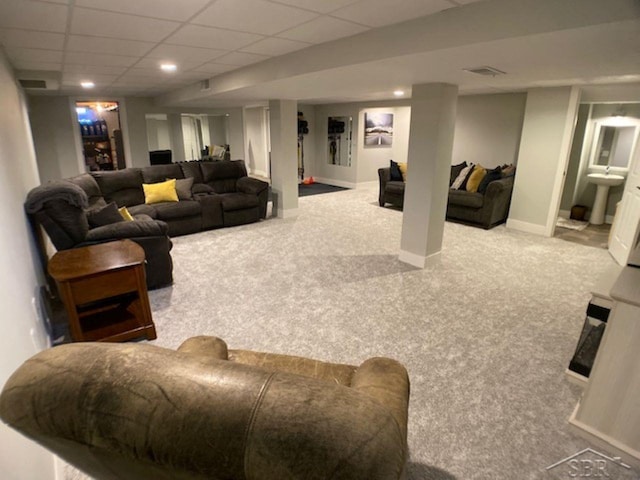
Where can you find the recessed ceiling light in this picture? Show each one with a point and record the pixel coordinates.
(87, 84)
(168, 67)
(398, 93)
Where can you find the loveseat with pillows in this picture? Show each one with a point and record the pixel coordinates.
(147, 205)
(477, 196)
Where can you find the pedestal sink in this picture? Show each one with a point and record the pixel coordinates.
(603, 181)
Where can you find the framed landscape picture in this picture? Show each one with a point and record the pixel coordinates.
(378, 129)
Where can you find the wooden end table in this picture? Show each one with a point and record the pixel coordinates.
(104, 290)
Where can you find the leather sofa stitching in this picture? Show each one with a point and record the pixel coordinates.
(252, 419)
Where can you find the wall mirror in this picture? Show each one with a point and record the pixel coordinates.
(613, 145)
(339, 141)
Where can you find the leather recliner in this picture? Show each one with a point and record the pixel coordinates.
(136, 411)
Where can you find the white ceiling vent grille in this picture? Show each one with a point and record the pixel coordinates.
(486, 71)
(205, 85)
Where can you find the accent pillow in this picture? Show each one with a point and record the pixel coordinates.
(455, 171)
(125, 214)
(104, 216)
(183, 188)
(495, 174)
(462, 176)
(396, 174)
(473, 182)
(403, 170)
(160, 192)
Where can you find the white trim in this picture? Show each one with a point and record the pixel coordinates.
(287, 213)
(336, 183)
(527, 227)
(576, 378)
(603, 441)
(58, 468)
(419, 261)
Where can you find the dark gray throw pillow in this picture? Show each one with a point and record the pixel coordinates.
(104, 216)
(183, 188)
(396, 174)
(455, 171)
(495, 174)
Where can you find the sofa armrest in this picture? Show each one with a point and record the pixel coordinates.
(384, 176)
(133, 229)
(251, 186)
(497, 200)
(499, 187)
(386, 381)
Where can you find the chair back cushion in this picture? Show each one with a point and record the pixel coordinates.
(223, 175)
(122, 186)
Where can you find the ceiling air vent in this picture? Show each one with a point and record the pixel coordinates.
(33, 83)
(486, 71)
(204, 85)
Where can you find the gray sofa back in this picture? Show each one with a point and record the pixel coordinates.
(159, 173)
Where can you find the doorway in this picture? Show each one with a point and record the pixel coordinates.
(101, 135)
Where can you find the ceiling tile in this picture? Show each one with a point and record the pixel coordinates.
(239, 59)
(196, 36)
(61, 2)
(34, 55)
(214, 68)
(323, 29)
(117, 25)
(168, 9)
(377, 13)
(52, 66)
(100, 69)
(153, 64)
(114, 46)
(48, 17)
(174, 52)
(255, 16)
(325, 6)
(99, 59)
(72, 79)
(274, 46)
(29, 39)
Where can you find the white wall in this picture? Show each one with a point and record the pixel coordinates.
(488, 129)
(52, 123)
(255, 136)
(22, 334)
(544, 152)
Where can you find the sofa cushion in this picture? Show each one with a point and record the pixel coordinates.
(183, 188)
(395, 187)
(473, 182)
(466, 199)
(159, 173)
(396, 174)
(99, 217)
(495, 174)
(160, 192)
(238, 201)
(87, 183)
(176, 210)
(403, 170)
(457, 183)
(192, 170)
(202, 188)
(143, 209)
(455, 171)
(223, 175)
(121, 186)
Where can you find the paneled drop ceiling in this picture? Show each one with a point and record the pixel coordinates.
(318, 51)
(120, 44)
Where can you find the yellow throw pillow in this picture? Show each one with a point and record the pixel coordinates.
(160, 192)
(403, 170)
(475, 178)
(125, 214)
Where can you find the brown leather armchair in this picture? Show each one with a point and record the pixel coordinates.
(136, 411)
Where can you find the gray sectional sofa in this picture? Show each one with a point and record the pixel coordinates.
(222, 195)
(483, 210)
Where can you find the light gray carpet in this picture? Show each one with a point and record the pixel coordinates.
(486, 335)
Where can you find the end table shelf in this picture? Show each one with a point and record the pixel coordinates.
(104, 291)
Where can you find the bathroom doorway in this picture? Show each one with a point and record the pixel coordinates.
(605, 138)
(101, 134)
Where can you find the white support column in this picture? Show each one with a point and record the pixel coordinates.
(433, 116)
(284, 157)
(177, 138)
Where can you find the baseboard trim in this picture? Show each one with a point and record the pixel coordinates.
(576, 378)
(58, 468)
(419, 261)
(335, 183)
(527, 227)
(287, 213)
(603, 441)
